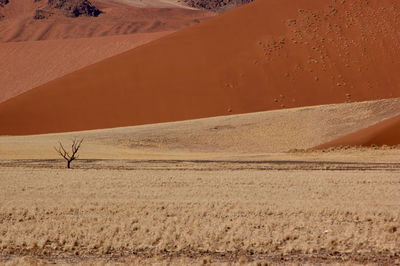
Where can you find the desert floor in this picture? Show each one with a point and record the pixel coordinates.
(234, 189)
(317, 210)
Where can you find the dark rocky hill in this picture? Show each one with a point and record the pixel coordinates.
(216, 5)
(3, 3)
(75, 8)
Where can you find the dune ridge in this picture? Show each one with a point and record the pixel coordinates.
(262, 56)
(385, 132)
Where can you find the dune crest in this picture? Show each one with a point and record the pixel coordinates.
(386, 132)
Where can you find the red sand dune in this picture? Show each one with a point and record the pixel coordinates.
(262, 56)
(25, 65)
(386, 132)
(118, 18)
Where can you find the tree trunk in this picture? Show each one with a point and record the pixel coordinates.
(69, 164)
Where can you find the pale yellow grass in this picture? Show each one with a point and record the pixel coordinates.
(189, 215)
(248, 134)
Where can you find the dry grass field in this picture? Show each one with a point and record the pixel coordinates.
(173, 212)
(222, 190)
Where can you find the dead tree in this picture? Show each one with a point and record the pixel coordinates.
(69, 157)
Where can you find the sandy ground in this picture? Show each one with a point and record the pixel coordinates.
(249, 134)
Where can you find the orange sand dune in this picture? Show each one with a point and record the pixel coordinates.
(25, 65)
(118, 18)
(261, 56)
(386, 132)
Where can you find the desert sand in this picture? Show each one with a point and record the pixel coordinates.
(25, 65)
(383, 133)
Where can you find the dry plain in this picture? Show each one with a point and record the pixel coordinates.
(222, 190)
(174, 212)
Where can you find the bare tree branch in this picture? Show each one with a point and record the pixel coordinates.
(61, 150)
(69, 157)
